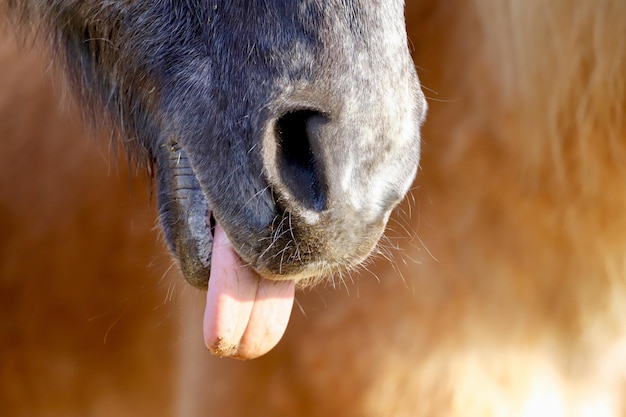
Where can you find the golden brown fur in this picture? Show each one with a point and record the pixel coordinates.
(508, 299)
(80, 292)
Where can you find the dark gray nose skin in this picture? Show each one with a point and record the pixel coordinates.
(311, 139)
(292, 124)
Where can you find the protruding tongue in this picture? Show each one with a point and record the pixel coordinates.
(245, 315)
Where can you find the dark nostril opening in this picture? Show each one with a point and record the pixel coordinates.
(298, 166)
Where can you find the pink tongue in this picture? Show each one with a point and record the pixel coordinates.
(245, 315)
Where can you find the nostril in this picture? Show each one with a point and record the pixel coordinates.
(298, 165)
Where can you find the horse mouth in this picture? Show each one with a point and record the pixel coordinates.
(250, 273)
(246, 314)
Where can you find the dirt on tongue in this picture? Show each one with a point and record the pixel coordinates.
(245, 315)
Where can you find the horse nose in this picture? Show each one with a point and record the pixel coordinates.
(299, 160)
